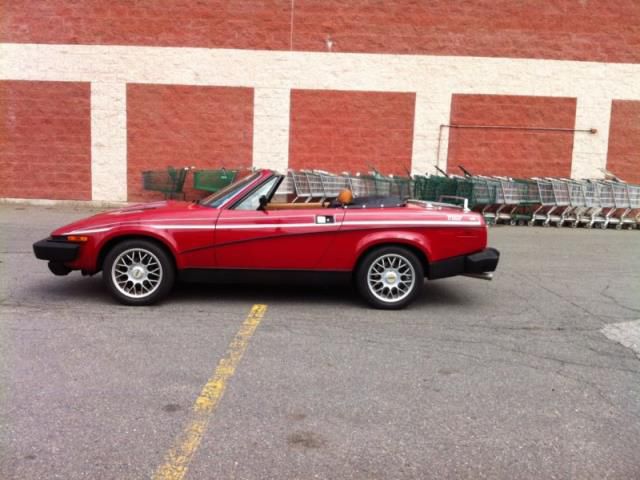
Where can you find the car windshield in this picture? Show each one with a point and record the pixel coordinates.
(221, 196)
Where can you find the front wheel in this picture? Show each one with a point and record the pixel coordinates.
(390, 277)
(138, 272)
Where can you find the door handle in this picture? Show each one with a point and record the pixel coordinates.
(324, 219)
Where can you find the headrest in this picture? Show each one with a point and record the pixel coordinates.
(345, 197)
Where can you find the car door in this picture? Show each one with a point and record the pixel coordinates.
(290, 239)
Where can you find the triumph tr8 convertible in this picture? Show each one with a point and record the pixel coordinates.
(387, 246)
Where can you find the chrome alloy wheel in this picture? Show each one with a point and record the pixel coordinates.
(136, 273)
(391, 278)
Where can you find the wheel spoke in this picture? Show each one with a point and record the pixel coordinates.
(137, 273)
(391, 277)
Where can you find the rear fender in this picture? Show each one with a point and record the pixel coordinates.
(410, 239)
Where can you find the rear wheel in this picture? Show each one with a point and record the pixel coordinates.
(390, 277)
(138, 272)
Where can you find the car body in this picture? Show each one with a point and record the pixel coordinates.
(242, 230)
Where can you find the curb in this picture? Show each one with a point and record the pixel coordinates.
(41, 202)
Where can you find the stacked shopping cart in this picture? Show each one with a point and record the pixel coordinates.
(532, 201)
(317, 185)
(539, 201)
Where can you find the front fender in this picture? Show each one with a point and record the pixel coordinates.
(139, 231)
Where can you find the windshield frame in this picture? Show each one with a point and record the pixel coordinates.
(256, 187)
(223, 196)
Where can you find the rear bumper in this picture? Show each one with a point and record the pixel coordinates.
(56, 251)
(480, 262)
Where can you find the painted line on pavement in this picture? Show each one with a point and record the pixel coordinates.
(626, 334)
(177, 460)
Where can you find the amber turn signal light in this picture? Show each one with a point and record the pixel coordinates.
(77, 238)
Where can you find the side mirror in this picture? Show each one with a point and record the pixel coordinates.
(263, 203)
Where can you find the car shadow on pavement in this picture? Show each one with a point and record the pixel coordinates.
(91, 291)
(339, 294)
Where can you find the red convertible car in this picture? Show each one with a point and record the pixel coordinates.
(250, 228)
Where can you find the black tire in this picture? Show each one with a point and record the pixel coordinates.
(379, 254)
(163, 282)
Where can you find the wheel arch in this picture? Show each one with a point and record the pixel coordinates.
(413, 248)
(113, 241)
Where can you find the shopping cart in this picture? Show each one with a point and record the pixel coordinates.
(307, 185)
(361, 185)
(622, 201)
(634, 204)
(577, 203)
(608, 204)
(333, 184)
(544, 213)
(514, 199)
(401, 187)
(286, 192)
(381, 184)
(592, 214)
(487, 195)
(562, 195)
(316, 188)
(170, 182)
(213, 180)
(300, 186)
(432, 187)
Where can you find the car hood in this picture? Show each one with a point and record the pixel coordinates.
(128, 215)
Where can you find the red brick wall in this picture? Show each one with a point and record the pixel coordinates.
(351, 131)
(559, 29)
(45, 140)
(206, 127)
(518, 153)
(624, 140)
(250, 24)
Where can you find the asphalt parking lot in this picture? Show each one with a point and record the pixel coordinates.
(506, 379)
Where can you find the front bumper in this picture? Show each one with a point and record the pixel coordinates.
(476, 263)
(56, 251)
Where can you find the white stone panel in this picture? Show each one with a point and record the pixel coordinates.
(318, 70)
(274, 73)
(271, 128)
(590, 150)
(430, 141)
(108, 141)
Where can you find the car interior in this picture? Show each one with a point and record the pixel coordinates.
(284, 199)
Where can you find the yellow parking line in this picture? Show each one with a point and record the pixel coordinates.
(177, 459)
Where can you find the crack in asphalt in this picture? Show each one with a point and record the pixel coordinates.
(533, 280)
(617, 302)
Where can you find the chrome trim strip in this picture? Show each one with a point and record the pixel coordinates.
(251, 226)
(89, 230)
(181, 227)
(444, 223)
(400, 223)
